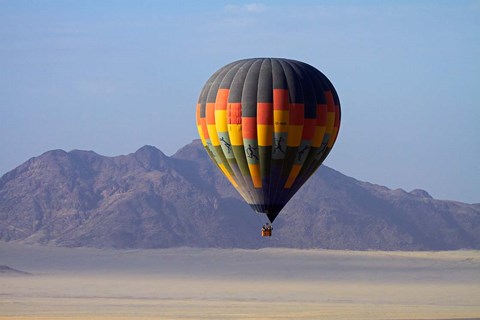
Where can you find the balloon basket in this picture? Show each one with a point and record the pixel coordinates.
(266, 233)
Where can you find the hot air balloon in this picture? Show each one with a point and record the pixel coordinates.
(268, 124)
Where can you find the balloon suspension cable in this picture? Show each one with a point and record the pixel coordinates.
(263, 218)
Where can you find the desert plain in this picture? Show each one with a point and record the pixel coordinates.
(193, 283)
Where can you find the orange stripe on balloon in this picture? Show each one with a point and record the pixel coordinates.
(222, 99)
(292, 176)
(197, 114)
(336, 127)
(210, 111)
(265, 113)
(337, 116)
(249, 128)
(234, 113)
(203, 123)
(330, 101)
(308, 129)
(321, 115)
(280, 99)
(297, 114)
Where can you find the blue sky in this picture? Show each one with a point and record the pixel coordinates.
(112, 76)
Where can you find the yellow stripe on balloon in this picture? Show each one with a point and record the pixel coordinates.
(331, 141)
(294, 136)
(265, 135)
(200, 133)
(280, 120)
(255, 174)
(212, 132)
(235, 134)
(330, 122)
(221, 120)
(318, 136)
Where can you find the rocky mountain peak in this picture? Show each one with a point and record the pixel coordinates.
(421, 193)
(151, 158)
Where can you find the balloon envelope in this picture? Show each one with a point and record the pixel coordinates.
(268, 124)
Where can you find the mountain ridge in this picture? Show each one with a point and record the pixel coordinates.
(149, 200)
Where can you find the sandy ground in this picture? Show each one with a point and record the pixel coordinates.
(237, 284)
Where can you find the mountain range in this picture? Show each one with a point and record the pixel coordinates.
(149, 200)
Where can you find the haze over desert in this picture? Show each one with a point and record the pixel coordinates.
(185, 283)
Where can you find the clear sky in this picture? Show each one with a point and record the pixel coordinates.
(111, 76)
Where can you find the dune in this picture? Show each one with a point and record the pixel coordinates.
(186, 283)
